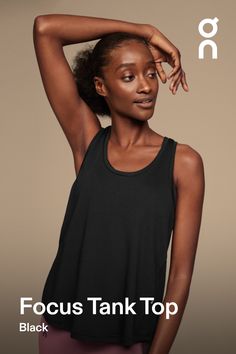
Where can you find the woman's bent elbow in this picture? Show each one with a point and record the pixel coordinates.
(40, 24)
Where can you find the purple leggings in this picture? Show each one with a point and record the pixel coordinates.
(58, 341)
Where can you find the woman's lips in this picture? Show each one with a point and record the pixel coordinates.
(145, 104)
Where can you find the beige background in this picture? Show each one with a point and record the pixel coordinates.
(37, 167)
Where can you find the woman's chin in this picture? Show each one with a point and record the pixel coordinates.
(144, 115)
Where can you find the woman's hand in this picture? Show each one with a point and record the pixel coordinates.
(164, 51)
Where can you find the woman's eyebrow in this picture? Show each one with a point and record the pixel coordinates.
(132, 64)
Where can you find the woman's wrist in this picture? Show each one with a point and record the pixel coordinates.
(146, 31)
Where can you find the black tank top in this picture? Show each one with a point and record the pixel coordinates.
(113, 245)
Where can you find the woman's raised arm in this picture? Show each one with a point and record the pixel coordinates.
(50, 34)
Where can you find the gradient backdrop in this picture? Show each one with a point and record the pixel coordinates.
(37, 168)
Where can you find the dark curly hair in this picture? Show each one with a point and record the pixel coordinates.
(91, 61)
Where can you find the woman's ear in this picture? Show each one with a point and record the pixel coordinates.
(99, 86)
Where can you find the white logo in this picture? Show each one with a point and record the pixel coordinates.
(210, 42)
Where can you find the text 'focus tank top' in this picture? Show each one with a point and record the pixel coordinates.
(113, 245)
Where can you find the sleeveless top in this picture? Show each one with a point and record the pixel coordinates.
(113, 246)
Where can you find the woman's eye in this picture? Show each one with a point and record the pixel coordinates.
(127, 77)
(153, 74)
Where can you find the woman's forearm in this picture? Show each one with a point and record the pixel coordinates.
(177, 291)
(71, 29)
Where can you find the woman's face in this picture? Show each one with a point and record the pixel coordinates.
(130, 76)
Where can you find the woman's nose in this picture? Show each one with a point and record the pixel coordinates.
(144, 85)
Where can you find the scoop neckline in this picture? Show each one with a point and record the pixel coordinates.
(130, 173)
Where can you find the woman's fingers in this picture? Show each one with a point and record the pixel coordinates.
(184, 82)
(180, 77)
(174, 80)
(161, 72)
(176, 85)
(175, 63)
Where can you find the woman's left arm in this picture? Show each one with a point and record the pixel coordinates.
(190, 182)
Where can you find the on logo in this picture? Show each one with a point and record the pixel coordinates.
(211, 43)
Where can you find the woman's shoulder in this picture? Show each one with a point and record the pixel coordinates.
(187, 159)
(186, 152)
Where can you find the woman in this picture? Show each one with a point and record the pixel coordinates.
(133, 187)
